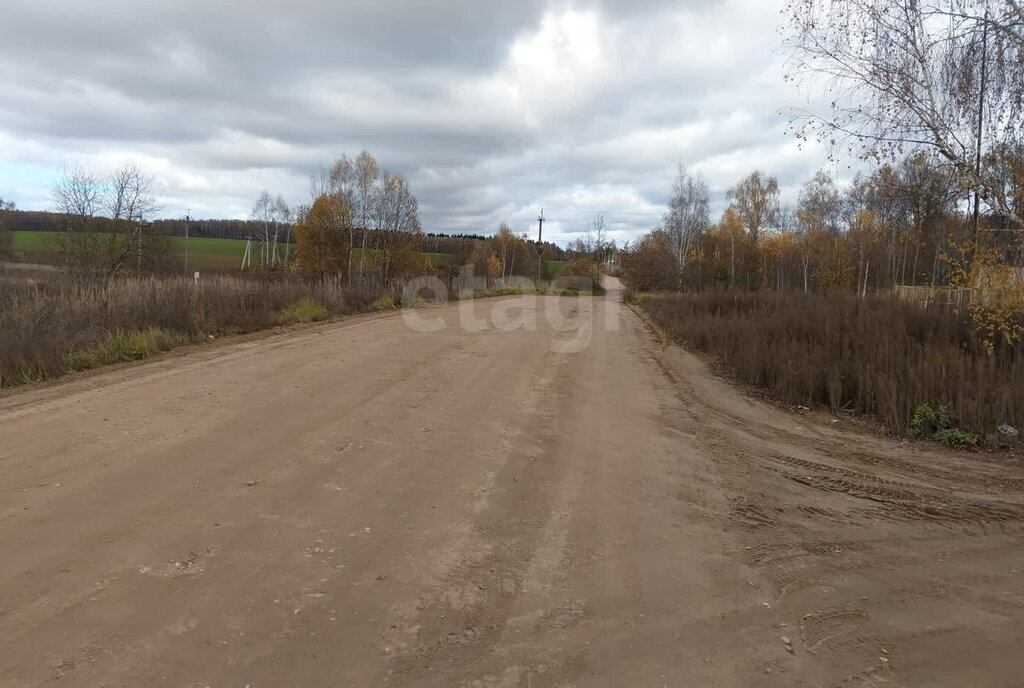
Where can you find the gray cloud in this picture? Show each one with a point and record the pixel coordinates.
(492, 109)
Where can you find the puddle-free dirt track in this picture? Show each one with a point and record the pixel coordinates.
(363, 504)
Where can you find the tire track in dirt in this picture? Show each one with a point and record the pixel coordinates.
(369, 505)
(868, 546)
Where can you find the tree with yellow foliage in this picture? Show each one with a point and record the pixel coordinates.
(494, 267)
(323, 238)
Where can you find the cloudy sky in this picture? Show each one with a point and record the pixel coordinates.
(492, 109)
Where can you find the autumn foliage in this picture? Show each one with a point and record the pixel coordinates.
(323, 238)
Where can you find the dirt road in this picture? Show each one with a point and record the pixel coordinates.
(371, 504)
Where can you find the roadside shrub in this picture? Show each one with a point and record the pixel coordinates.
(580, 274)
(303, 311)
(927, 421)
(120, 347)
(875, 356)
(956, 439)
(582, 267)
(940, 425)
(385, 303)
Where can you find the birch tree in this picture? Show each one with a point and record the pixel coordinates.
(263, 215)
(755, 200)
(687, 216)
(943, 75)
(343, 184)
(366, 173)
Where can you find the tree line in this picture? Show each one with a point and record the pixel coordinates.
(931, 95)
(900, 224)
(361, 224)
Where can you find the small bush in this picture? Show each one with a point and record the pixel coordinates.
(927, 421)
(956, 439)
(303, 311)
(939, 425)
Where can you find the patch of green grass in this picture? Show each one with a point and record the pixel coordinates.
(122, 346)
(25, 374)
(203, 253)
(512, 291)
(638, 298)
(385, 303)
(214, 254)
(29, 243)
(304, 311)
(555, 268)
(571, 292)
(438, 259)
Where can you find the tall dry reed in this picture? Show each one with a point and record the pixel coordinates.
(874, 356)
(41, 323)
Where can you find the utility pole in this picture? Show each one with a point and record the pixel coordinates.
(540, 246)
(188, 217)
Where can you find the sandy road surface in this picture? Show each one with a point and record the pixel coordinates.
(364, 504)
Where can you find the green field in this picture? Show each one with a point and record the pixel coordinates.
(203, 254)
(219, 254)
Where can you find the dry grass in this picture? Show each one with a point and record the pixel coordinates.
(876, 356)
(49, 328)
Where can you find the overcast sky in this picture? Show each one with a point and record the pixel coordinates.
(493, 110)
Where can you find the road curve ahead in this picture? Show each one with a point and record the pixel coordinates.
(513, 492)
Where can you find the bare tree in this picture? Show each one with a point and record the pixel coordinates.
(282, 218)
(396, 217)
(755, 200)
(263, 214)
(819, 207)
(270, 214)
(947, 75)
(343, 184)
(600, 231)
(129, 194)
(394, 206)
(104, 217)
(366, 173)
(77, 193)
(319, 185)
(687, 216)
